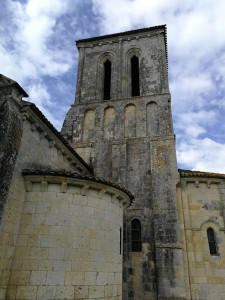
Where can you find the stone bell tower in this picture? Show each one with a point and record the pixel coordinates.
(121, 124)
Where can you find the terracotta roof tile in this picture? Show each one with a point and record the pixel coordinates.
(189, 173)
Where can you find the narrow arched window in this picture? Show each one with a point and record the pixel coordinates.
(212, 241)
(107, 79)
(136, 235)
(135, 88)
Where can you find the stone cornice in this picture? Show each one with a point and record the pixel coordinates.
(84, 182)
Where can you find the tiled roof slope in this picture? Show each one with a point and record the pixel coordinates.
(55, 172)
(189, 173)
(34, 108)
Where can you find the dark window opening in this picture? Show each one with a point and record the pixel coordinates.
(212, 241)
(107, 79)
(135, 88)
(136, 235)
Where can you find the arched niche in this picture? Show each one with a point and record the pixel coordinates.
(109, 123)
(130, 120)
(105, 76)
(133, 82)
(152, 118)
(88, 125)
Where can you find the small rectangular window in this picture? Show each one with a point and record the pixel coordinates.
(136, 235)
(107, 79)
(212, 241)
(135, 88)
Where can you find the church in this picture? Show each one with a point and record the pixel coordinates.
(101, 210)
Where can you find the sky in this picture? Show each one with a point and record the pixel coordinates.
(37, 49)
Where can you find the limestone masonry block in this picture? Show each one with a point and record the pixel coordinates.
(67, 250)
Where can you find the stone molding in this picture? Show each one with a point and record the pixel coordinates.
(85, 186)
(126, 101)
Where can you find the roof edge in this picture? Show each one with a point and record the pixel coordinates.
(135, 31)
(33, 107)
(12, 82)
(189, 173)
(64, 173)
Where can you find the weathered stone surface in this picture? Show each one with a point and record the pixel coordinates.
(61, 235)
(131, 141)
(26, 139)
(10, 137)
(78, 252)
(201, 206)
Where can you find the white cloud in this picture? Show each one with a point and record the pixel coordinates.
(35, 23)
(203, 155)
(33, 49)
(39, 94)
(196, 43)
(37, 49)
(54, 8)
(191, 125)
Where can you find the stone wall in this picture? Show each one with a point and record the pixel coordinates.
(201, 206)
(36, 145)
(131, 141)
(119, 147)
(10, 137)
(69, 241)
(120, 119)
(148, 46)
